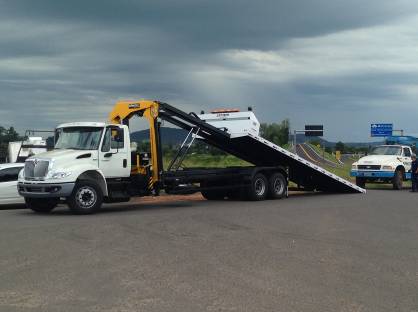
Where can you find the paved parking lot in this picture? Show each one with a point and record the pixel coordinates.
(307, 253)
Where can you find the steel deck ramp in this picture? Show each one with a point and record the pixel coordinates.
(261, 152)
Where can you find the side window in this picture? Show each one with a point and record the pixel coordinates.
(118, 139)
(113, 139)
(9, 174)
(106, 141)
(406, 152)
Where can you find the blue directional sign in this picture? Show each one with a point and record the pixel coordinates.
(381, 130)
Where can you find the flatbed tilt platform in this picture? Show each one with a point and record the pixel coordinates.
(260, 152)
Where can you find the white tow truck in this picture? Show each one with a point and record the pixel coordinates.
(384, 164)
(94, 162)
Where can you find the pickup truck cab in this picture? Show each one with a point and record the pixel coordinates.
(384, 164)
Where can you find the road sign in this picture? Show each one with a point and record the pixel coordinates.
(381, 130)
(314, 130)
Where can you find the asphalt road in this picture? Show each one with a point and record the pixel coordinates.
(306, 253)
(307, 152)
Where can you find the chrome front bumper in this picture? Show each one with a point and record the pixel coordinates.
(45, 190)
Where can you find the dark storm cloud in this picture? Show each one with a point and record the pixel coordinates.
(215, 24)
(70, 60)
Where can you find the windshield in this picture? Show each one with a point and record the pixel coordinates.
(81, 138)
(387, 150)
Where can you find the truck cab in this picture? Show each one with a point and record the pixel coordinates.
(87, 158)
(384, 164)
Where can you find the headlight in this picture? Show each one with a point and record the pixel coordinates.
(21, 175)
(387, 168)
(354, 167)
(58, 174)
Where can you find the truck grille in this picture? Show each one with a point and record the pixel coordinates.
(36, 169)
(368, 167)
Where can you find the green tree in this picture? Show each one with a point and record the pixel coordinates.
(276, 133)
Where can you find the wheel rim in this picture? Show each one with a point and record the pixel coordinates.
(260, 187)
(278, 186)
(86, 197)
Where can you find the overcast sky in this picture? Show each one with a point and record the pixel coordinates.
(344, 64)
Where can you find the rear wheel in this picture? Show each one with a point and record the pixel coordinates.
(41, 205)
(277, 186)
(86, 198)
(258, 188)
(361, 182)
(398, 180)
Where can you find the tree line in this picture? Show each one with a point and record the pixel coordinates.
(278, 133)
(343, 148)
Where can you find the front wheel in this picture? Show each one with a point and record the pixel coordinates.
(41, 205)
(86, 198)
(398, 180)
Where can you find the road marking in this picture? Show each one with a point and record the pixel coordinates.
(300, 145)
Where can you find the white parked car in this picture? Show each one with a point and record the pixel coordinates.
(8, 183)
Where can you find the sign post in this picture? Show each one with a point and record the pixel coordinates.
(338, 155)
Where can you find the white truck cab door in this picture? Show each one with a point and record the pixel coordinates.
(406, 158)
(114, 154)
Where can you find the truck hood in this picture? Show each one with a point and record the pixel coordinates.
(377, 159)
(66, 156)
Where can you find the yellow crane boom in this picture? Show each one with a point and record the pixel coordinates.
(123, 111)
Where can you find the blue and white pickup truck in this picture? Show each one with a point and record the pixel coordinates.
(385, 164)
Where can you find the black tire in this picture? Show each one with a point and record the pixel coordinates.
(360, 182)
(398, 180)
(214, 194)
(87, 198)
(277, 186)
(259, 188)
(41, 205)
